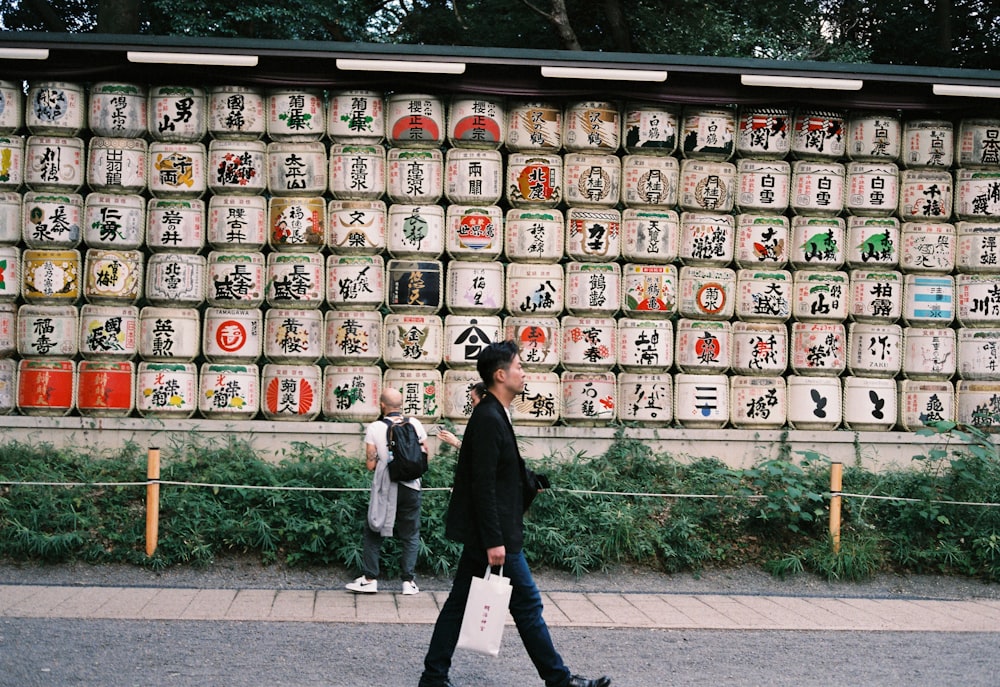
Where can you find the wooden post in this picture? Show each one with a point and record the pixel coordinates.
(152, 500)
(836, 486)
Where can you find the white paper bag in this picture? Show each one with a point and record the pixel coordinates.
(485, 614)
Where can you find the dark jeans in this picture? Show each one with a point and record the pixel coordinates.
(525, 607)
(407, 530)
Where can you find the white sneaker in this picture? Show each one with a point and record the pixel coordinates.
(362, 585)
(410, 588)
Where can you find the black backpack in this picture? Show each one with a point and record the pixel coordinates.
(407, 458)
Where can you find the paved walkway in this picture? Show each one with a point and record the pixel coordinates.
(566, 609)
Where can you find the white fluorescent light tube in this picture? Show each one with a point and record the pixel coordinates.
(801, 82)
(412, 66)
(606, 74)
(24, 53)
(201, 59)
(966, 91)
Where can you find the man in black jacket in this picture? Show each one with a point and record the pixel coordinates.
(492, 489)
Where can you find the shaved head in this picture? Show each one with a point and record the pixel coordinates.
(392, 399)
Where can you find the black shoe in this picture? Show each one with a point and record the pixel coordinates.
(577, 681)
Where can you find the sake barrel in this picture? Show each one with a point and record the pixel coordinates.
(46, 387)
(476, 121)
(649, 291)
(928, 143)
(929, 353)
(708, 133)
(106, 388)
(356, 227)
(534, 180)
(649, 128)
(874, 350)
(928, 247)
(412, 341)
(166, 390)
(818, 349)
(649, 181)
(534, 235)
(177, 113)
(236, 112)
(232, 335)
(47, 331)
(703, 346)
(11, 161)
(465, 336)
(977, 247)
(763, 295)
(296, 224)
(414, 286)
(237, 223)
(293, 335)
(870, 405)
(817, 188)
(925, 195)
(760, 349)
(701, 401)
(707, 293)
(169, 333)
(109, 332)
(976, 404)
(814, 403)
(818, 243)
(10, 273)
(291, 392)
(540, 401)
(764, 132)
(295, 115)
(539, 340)
(593, 235)
(357, 172)
(707, 185)
(872, 188)
(593, 288)
(177, 170)
(295, 280)
(54, 163)
(928, 300)
(589, 399)
(646, 398)
(762, 185)
(10, 218)
(707, 239)
(592, 126)
(415, 120)
(924, 404)
(236, 280)
(761, 241)
(757, 402)
(645, 346)
(874, 136)
(238, 167)
(351, 393)
(175, 226)
(818, 134)
(55, 108)
(534, 126)
(11, 106)
(229, 391)
(52, 220)
(474, 233)
(50, 276)
(820, 296)
(979, 354)
(117, 165)
(876, 296)
(112, 220)
(355, 282)
(977, 145)
(8, 386)
(650, 236)
(872, 242)
(474, 177)
(8, 330)
(296, 169)
(592, 180)
(353, 337)
(176, 279)
(978, 299)
(419, 389)
(416, 231)
(356, 116)
(474, 288)
(112, 276)
(535, 290)
(589, 343)
(976, 196)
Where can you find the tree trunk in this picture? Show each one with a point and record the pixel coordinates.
(618, 26)
(559, 18)
(53, 22)
(942, 12)
(118, 16)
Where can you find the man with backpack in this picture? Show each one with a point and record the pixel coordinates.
(394, 505)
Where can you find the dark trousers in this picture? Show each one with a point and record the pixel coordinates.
(407, 529)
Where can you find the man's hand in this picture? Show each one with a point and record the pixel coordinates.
(496, 555)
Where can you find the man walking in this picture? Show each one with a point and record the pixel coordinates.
(393, 505)
(492, 489)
